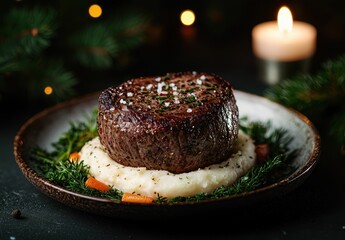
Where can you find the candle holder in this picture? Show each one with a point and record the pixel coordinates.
(272, 72)
(283, 48)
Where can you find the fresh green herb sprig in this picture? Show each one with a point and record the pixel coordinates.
(277, 166)
(255, 178)
(72, 176)
(72, 140)
(56, 167)
(278, 139)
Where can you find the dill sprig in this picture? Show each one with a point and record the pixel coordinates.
(278, 139)
(56, 167)
(72, 176)
(277, 166)
(72, 140)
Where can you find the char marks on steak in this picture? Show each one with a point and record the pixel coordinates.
(179, 122)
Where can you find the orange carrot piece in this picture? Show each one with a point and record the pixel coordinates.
(95, 184)
(262, 151)
(134, 198)
(74, 157)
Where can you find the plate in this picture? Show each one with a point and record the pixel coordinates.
(45, 127)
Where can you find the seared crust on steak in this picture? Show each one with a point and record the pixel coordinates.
(179, 122)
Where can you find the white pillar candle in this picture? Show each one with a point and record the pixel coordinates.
(284, 40)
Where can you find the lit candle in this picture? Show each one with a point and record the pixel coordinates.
(284, 40)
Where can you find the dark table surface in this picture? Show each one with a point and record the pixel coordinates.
(315, 210)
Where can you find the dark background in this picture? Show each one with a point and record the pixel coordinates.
(222, 35)
(220, 42)
(222, 45)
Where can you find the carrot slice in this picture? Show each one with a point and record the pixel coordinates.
(134, 198)
(74, 157)
(92, 182)
(262, 151)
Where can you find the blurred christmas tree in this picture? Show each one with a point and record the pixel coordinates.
(43, 47)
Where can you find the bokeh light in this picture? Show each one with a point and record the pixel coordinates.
(95, 11)
(187, 17)
(48, 90)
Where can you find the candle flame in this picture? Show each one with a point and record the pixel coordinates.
(285, 20)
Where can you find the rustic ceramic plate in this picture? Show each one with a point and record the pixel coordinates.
(46, 127)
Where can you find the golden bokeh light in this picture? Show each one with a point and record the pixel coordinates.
(95, 11)
(48, 90)
(187, 17)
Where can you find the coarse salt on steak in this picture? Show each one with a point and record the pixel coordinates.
(179, 122)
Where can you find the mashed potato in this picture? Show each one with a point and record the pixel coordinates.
(162, 183)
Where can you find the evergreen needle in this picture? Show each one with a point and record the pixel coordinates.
(44, 48)
(317, 95)
(56, 167)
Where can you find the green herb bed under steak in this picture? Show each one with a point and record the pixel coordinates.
(56, 167)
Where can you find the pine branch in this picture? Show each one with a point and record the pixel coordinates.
(95, 47)
(29, 40)
(26, 32)
(314, 95)
(338, 128)
(99, 44)
(56, 168)
(62, 81)
(128, 30)
(8, 66)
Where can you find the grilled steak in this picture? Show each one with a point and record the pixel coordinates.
(179, 122)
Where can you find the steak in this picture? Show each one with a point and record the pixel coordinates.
(179, 122)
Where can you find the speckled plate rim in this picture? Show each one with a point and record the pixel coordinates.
(119, 209)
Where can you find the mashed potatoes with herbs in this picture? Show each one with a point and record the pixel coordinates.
(162, 183)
